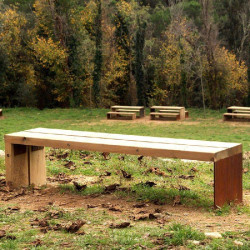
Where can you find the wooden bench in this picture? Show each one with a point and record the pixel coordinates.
(174, 111)
(114, 115)
(237, 112)
(135, 109)
(25, 155)
(154, 115)
(155, 111)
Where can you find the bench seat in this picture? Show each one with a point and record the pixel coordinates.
(113, 115)
(128, 110)
(25, 155)
(174, 111)
(153, 115)
(229, 116)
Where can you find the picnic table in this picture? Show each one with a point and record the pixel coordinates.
(129, 111)
(237, 112)
(168, 111)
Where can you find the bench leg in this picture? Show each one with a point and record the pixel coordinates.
(228, 180)
(37, 166)
(25, 165)
(182, 114)
(142, 114)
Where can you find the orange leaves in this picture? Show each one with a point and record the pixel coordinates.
(233, 72)
(49, 52)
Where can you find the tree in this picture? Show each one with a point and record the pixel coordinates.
(98, 54)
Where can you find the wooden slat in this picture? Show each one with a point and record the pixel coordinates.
(166, 107)
(239, 108)
(121, 113)
(150, 139)
(128, 110)
(127, 107)
(164, 114)
(121, 146)
(237, 114)
(169, 110)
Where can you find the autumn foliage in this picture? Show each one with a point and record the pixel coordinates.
(96, 53)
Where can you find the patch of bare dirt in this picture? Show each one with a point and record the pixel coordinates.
(38, 200)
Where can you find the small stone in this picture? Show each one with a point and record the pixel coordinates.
(238, 243)
(2, 153)
(213, 235)
(194, 242)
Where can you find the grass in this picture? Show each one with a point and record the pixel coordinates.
(91, 168)
(197, 127)
(181, 234)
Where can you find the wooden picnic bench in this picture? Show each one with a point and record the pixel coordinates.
(25, 155)
(178, 113)
(121, 110)
(237, 112)
(114, 115)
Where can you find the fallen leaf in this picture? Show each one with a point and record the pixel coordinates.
(79, 187)
(177, 200)
(41, 209)
(141, 217)
(115, 209)
(150, 183)
(111, 188)
(75, 226)
(42, 223)
(87, 163)
(157, 210)
(106, 173)
(91, 206)
(140, 205)
(36, 243)
(186, 177)
(121, 157)
(69, 164)
(61, 178)
(57, 227)
(121, 225)
(194, 169)
(16, 208)
(2, 233)
(183, 188)
(125, 174)
(11, 237)
(140, 158)
(63, 156)
(170, 170)
(152, 216)
(55, 214)
(2, 182)
(156, 171)
(106, 155)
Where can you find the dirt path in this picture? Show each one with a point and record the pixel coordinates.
(197, 218)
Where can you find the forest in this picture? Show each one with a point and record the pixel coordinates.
(96, 53)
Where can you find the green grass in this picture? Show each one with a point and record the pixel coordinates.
(181, 234)
(197, 127)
